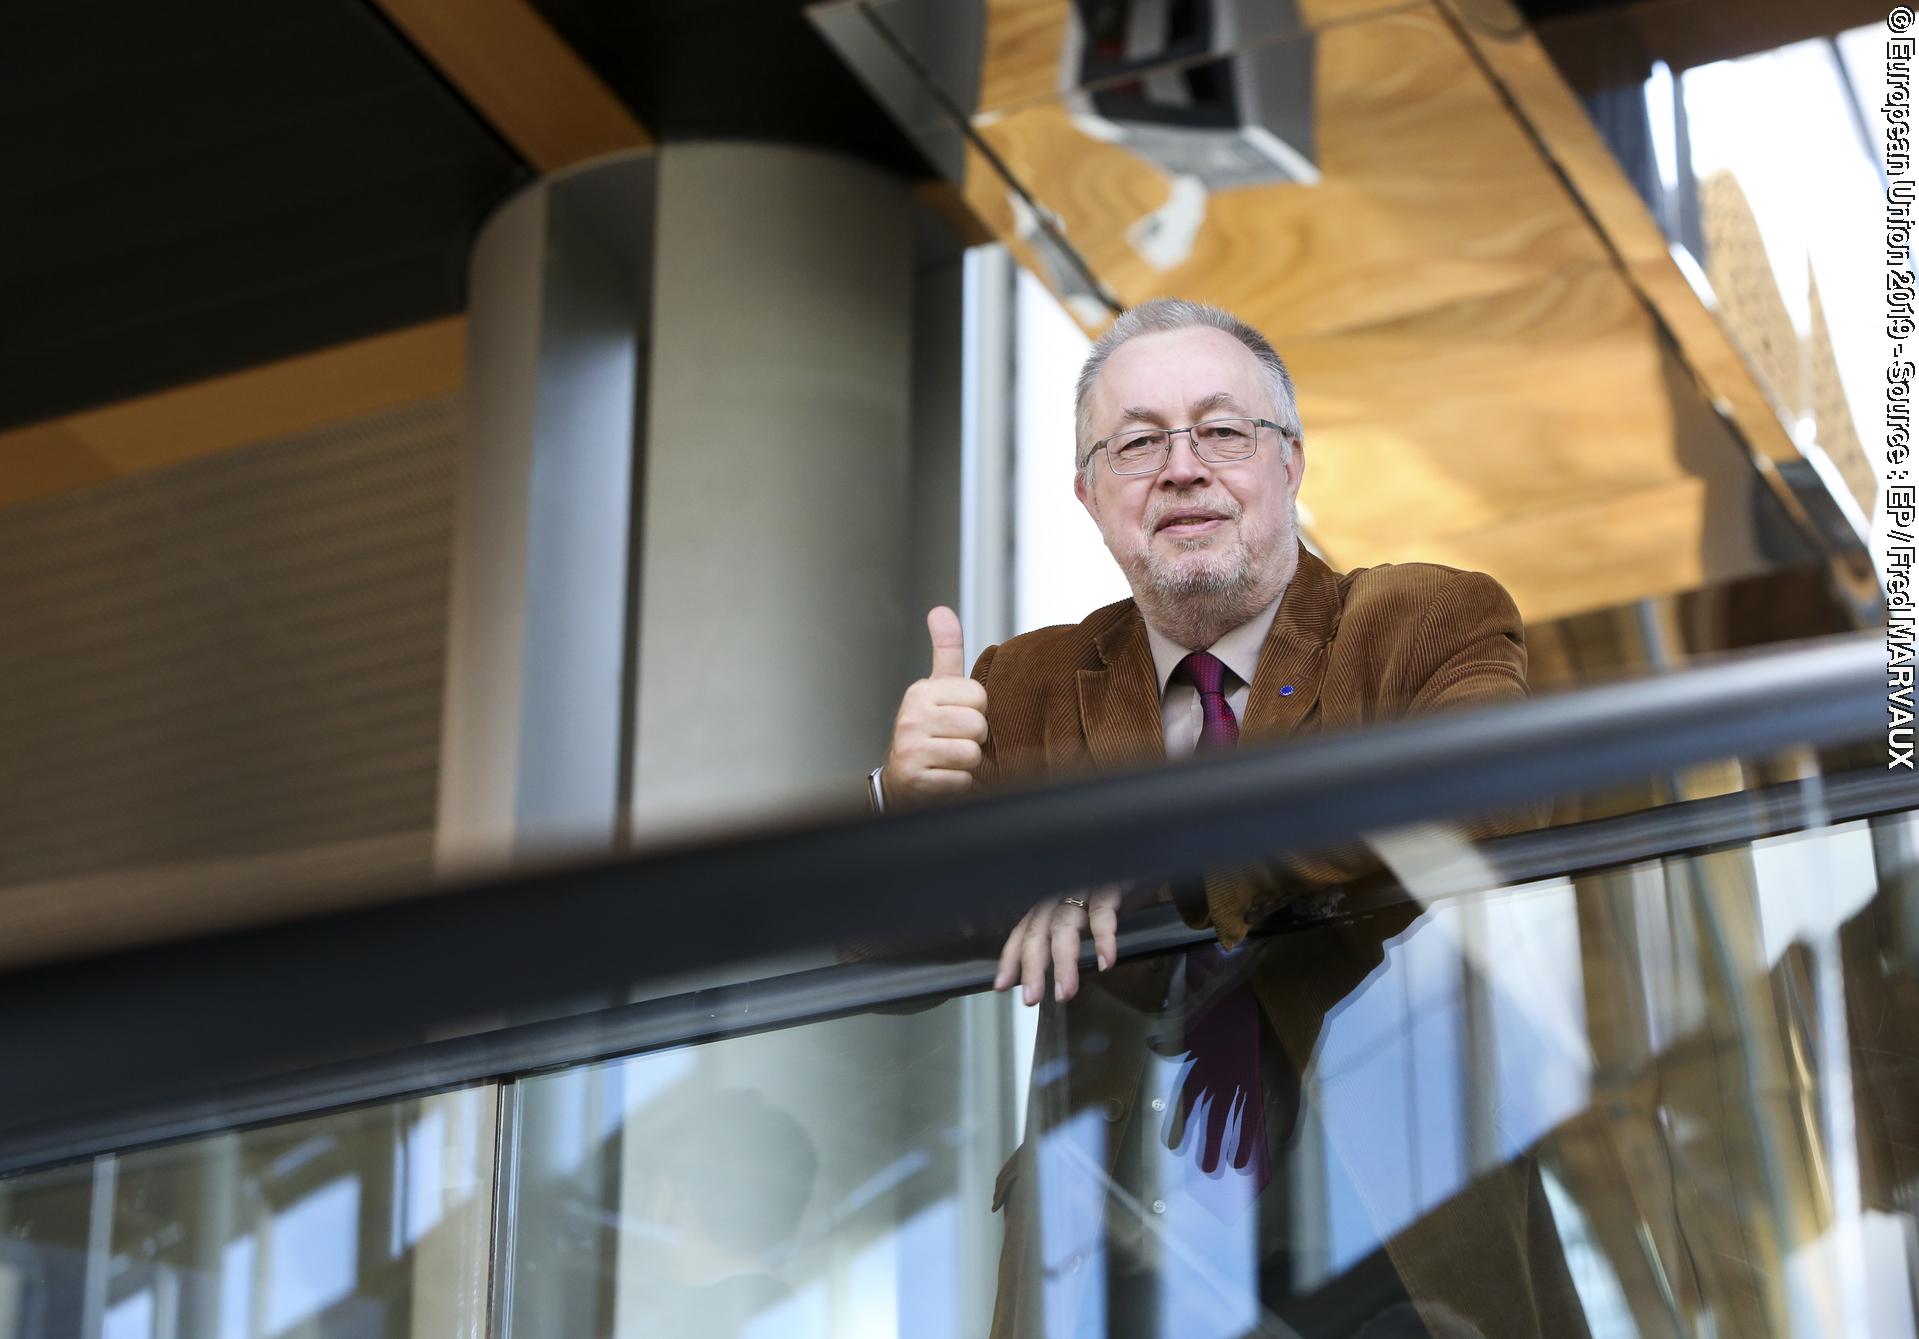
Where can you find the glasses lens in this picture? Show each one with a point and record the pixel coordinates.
(1225, 438)
(1135, 452)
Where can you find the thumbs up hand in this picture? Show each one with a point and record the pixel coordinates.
(941, 725)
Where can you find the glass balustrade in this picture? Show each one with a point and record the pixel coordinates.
(1652, 1073)
(1670, 1097)
(368, 1222)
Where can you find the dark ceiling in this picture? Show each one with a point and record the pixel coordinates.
(732, 69)
(196, 188)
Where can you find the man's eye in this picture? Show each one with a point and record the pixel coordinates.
(1142, 444)
(1224, 433)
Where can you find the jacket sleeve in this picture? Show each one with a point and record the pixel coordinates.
(881, 944)
(988, 774)
(1480, 648)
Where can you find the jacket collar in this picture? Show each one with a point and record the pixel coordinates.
(1119, 702)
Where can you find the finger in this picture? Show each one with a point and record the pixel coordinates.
(958, 755)
(1066, 923)
(957, 723)
(949, 651)
(954, 692)
(1247, 1148)
(1173, 1129)
(941, 781)
(1102, 916)
(1033, 954)
(1215, 1133)
(1008, 971)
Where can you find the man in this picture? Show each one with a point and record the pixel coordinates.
(1190, 461)
(1190, 458)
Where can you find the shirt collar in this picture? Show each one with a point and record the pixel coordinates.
(1238, 650)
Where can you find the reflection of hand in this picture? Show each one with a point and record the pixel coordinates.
(941, 726)
(1054, 927)
(1214, 1091)
(1221, 1083)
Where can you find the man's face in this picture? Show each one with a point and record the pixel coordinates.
(1192, 529)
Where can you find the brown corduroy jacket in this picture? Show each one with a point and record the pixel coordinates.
(1352, 648)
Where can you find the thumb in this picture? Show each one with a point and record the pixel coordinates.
(949, 652)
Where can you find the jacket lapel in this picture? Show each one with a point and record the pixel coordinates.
(1119, 702)
(1293, 655)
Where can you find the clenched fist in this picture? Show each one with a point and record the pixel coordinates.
(941, 726)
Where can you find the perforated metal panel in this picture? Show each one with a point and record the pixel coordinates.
(234, 657)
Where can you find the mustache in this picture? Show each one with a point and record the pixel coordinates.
(1222, 507)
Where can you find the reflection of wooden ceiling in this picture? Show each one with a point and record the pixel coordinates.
(1499, 365)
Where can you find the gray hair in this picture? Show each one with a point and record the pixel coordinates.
(1167, 314)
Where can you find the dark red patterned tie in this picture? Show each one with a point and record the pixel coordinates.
(1207, 672)
(1221, 1092)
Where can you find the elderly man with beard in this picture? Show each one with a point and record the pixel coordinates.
(1166, 1092)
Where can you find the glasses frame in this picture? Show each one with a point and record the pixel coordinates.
(1191, 441)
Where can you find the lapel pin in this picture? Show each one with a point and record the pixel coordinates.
(1287, 691)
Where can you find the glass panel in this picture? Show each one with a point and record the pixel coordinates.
(1764, 172)
(1676, 1097)
(826, 1179)
(372, 1224)
(1618, 1104)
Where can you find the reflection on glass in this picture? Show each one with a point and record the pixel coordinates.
(1764, 172)
(1619, 1104)
(1677, 1097)
(1671, 1098)
(370, 1223)
(824, 1180)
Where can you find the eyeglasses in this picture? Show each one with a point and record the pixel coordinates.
(1215, 441)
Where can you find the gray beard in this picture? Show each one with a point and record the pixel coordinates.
(1196, 607)
(1198, 619)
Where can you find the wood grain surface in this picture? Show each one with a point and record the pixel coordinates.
(1499, 364)
(522, 77)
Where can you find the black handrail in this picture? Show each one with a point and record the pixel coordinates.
(174, 1039)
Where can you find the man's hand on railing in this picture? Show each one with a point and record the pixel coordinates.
(1053, 928)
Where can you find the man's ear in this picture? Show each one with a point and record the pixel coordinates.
(1085, 494)
(1298, 471)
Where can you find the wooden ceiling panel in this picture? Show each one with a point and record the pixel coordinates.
(1563, 562)
(1431, 194)
(1500, 365)
(1476, 413)
(242, 408)
(1565, 133)
(47, 458)
(1026, 43)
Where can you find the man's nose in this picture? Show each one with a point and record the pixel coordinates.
(1183, 467)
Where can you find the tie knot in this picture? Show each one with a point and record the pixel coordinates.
(1204, 670)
